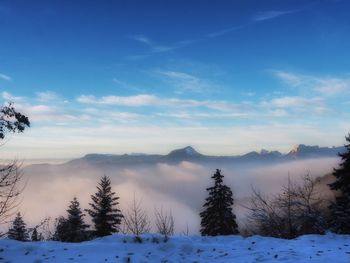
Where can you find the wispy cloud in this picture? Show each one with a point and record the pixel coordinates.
(297, 104)
(249, 94)
(142, 39)
(39, 112)
(267, 15)
(46, 96)
(124, 85)
(157, 48)
(226, 31)
(8, 97)
(75, 125)
(148, 100)
(325, 85)
(130, 101)
(46, 113)
(257, 18)
(5, 77)
(185, 82)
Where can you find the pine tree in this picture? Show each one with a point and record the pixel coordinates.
(35, 236)
(104, 212)
(341, 207)
(18, 231)
(61, 229)
(76, 224)
(72, 229)
(218, 218)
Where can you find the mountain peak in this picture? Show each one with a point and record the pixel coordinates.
(266, 152)
(188, 151)
(303, 150)
(300, 148)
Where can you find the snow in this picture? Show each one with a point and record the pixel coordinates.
(119, 248)
(190, 151)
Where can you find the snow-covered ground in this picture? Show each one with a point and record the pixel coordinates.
(119, 248)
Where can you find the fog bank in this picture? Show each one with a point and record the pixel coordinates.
(179, 187)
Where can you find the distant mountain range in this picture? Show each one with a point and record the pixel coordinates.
(190, 154)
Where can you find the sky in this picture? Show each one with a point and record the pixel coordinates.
(226, 77)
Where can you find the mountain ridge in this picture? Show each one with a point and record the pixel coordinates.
(189, 153)
(297, 150)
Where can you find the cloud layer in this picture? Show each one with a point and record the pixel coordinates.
(179, 188)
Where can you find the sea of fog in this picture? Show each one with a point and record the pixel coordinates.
(180, 188)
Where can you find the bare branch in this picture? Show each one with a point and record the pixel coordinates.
(164, 222)
(136, 220)
(298, 209)
(10, 190)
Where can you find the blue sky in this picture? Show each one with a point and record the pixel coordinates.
(147, 76)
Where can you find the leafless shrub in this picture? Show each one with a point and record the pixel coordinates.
(136, 220)
(11, 121)
(164, 222)
(44, 229)
(186, 232)
(299, 209)
(10, 189)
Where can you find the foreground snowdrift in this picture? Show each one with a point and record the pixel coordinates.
(118, 248)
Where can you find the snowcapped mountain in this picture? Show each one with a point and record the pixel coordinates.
(305, 151)
(184, 153)
(188, 153)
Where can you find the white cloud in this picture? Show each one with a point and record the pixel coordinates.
(326, 85)
(249, 94)
(208, 123)
(289, 78)
(278, 113)
(45, 113)
(295, 102)
(185, 82)
(5, 77)
(8, 97)
(130, 101)
(204, 115)
(46, 96)
(282, 105)
(152, 100)
(73, 141)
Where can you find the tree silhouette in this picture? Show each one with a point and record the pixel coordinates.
(35, 236)
(18, 231)
(72, 228)
(218, 218)
(341, 207)
(11, 121)
(104, 212)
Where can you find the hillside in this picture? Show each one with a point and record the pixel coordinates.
(118, 248)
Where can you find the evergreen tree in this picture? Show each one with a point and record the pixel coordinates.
(76, 224)
(35, 236)
(61, 229)
(104, 212)
(72, 229)
(218, 218)
(340, 209)
(18, 231)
